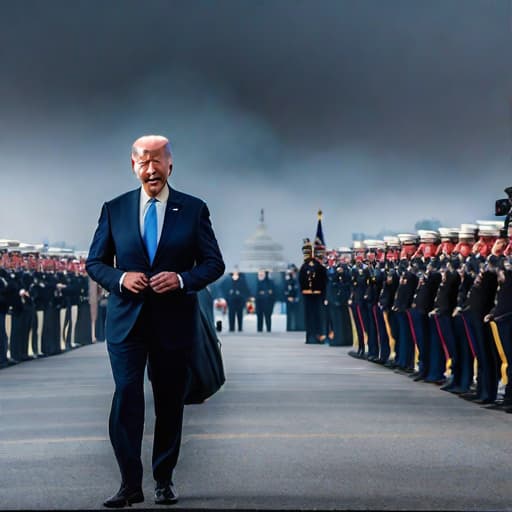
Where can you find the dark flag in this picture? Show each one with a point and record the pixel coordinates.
(319, 237)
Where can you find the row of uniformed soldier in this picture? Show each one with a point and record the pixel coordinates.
(439, 309)
(42, 313)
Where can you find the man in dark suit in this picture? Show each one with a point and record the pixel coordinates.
(153, 250)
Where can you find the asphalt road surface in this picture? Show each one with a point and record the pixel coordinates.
(295, 427)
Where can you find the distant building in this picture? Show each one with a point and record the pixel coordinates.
(261, 252)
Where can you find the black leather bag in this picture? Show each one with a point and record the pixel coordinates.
(206, 367)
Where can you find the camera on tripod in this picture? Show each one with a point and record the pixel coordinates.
(504, 207)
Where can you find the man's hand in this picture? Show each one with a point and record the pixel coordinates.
(135, 281)
(164, 282)
(488, 318)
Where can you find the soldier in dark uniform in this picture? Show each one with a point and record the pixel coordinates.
(36, 292)
(5, 301)
(480, 300)
(371, 298)
(236, 293)
(333, 291)
(265, 298)
(464, 333)
(384, 305)
(50, 342)
(22, 317)
(69, 296)
(359, 283)
(423, 303)
(343, 296)
(312, 281)
(403, 301)
(294, 305)
(83, 330)
(443, 342)
(501, 314)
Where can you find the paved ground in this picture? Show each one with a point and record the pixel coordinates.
(295, 427)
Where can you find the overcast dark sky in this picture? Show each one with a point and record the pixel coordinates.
(379, 112)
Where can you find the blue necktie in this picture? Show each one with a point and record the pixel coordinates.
(151, 230)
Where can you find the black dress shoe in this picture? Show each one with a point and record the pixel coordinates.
(458, 391)
(483, 401)
(496, 406)
(439, 382)
(165, 494)
(470, 395)
(125, 497)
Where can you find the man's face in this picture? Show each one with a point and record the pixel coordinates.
(152, 168)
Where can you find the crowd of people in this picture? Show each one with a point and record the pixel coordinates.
(45, 306)
(435, 305)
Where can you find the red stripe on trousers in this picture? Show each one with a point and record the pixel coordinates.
(468, 336)
(441, 337)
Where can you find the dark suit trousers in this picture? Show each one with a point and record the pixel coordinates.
(168, 370)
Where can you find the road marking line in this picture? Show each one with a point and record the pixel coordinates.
(266, 435)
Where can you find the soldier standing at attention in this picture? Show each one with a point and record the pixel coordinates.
(333, 293)
(294, 315)
(312, 281)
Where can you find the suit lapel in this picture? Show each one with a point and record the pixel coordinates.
(133, 216)
(172, 212)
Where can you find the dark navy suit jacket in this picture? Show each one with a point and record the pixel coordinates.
(187, 246)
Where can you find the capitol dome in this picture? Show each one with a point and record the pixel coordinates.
(261, 252)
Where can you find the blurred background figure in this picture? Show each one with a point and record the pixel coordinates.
(265, 298)
(236, 293)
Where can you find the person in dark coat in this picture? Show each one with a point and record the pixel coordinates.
(236, 292)
(265, 299)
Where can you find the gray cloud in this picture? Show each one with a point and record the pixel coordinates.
(379, 113)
